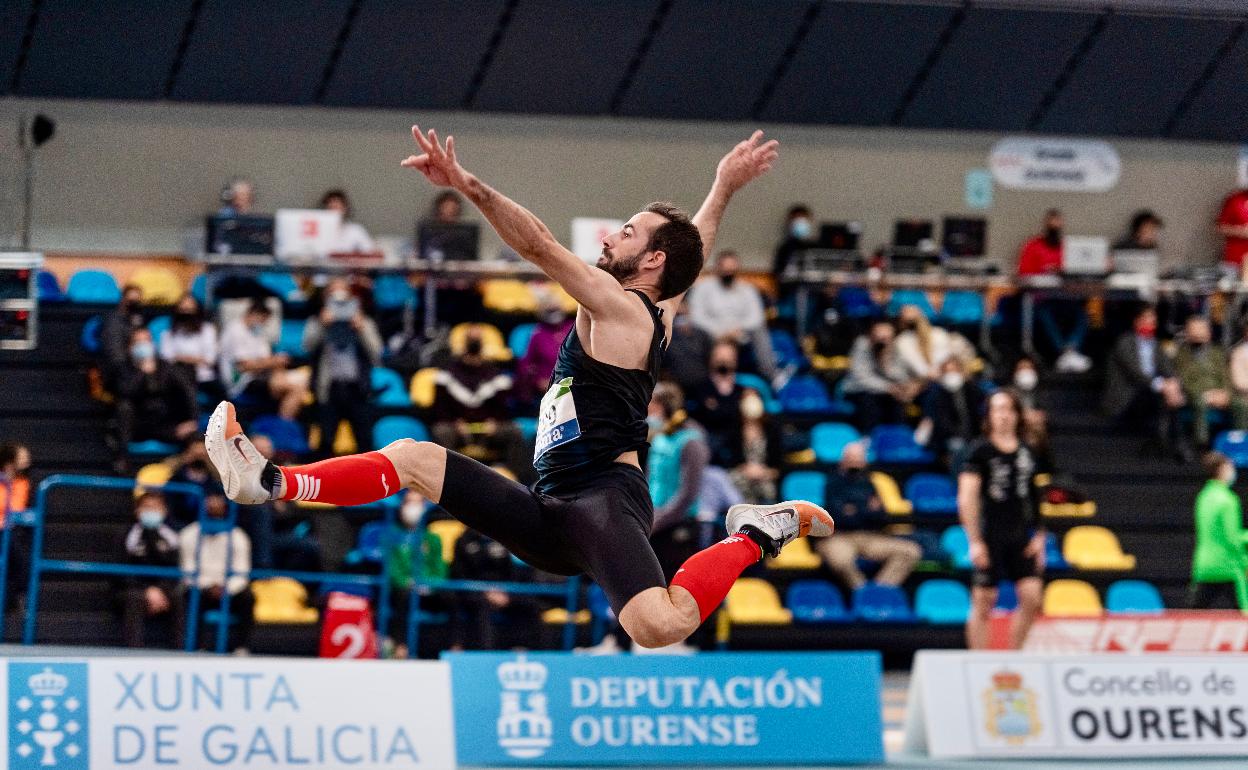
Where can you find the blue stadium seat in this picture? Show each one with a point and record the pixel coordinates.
(90, 338)
(805, 394)
(199, 289)
(158, 326)
(286, 435)
(894, 444)
(804, 485)
(391, 291)
(788, 352)
(389, 388)
(281, 284)
(816, 601)
(395, 427)
(527, 426)
(829, 440)
(954, 543)
(151, 448)
(519, 338)
(875, 603)
(962, 308)
(1134, 596)
(49, 288)
(1007, 596)
(1053, 558)
(368, 545)
(856, 302)
(932, 494)
(93, 286)
(942, 601)
(841, 406)
(291, 340)
(916, 297)
(1233, 444)
(754, 382)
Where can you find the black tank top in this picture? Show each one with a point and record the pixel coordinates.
(593, 412)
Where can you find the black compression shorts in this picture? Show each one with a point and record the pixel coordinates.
(601, 529)
(1006, 562)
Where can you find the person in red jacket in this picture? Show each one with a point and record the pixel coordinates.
(1042, 255)
(1233, 224)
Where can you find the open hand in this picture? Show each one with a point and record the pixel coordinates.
(747, 161)
(436, 162)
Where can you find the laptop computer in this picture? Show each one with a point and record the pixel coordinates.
(447, 241)
(842, 236)
(964, 236)
(911, 233)
(1143, 262)
(239, 235)
(1085, 255)
(306, 232)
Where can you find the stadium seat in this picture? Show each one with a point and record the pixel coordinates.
(1233, 444)
(286, 435)
(856, 302)
(755, 601)
(291, 340)
(558, 616)
(448, 531)
(894, 444)
(1053, 558)
(527, 426)
(816, 601)
(90, 337)
(1092, 547)
(282, 600)
(890, 494)
(875, 603)
(519, 338)
(954, 543)
(1071, 598)
(368, 544)
(48, 287)
(388, 388)
(199, 289)
(281, 284)
(962, 308)
(804, 485)
(1007, 596)
(805, 394)
(387, 430)
(1084, 510)
(507, 295)
(391, 291)
(160, 285)
(93, 287)
(759, 385)
(159, 326)
(932, 494)
(788, 353)
(797, 555)
(1134, 596)
(942, 601)
(151, 448)
(917, 297)
(493, 346)
(424, 387)
(829, 440)
(344, 439)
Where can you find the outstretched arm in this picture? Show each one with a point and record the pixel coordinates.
(594, 289)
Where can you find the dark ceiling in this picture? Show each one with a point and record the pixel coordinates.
(1116, 67)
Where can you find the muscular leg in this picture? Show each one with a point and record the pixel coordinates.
(982, 601)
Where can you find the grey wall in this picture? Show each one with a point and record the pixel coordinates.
(130, 177)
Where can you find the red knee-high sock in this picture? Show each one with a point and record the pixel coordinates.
(710, 573)
(352, 480)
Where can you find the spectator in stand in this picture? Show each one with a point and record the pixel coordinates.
(878, 383)
(534, 368)
(1205, 376)
(999, 508)
(150, 542)
(728, 308)
(15, 496)
(1026, 382)
(470, 406)
(952, 413)
(755, 478)
(238, 199)
(192, 467)
(344, 345)
(280, 532)
(1220, 561)
(1239, 366)
(860, 518)
(473, 624)
(448, 208)
(191, 345)
(676, 463)
(1233, 225)
(154, 399)
(1042, 255)
(799, 233)
(1142, 387)
(1143, 233)
(925, 348)
(115, 331)
(411, 552)
(352, 237)
(249, 366)
(687, 354)
(212, 546)
(716, 405)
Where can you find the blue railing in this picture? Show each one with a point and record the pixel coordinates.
(39, 565)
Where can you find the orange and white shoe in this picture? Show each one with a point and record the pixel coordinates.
(237, 461)
(781, 522)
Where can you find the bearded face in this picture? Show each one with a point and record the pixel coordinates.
(621, 266)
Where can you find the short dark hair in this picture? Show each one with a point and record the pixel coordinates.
(258, 305)
(670, 397)
(340, 195)
(9, 452)
(797, 210)
(151, 495)
(1212, 464)
(679, 239)
(725, 254)
(1142, 218)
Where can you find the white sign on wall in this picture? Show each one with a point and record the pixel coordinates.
(588, 233)
(1070, 165)
(1022, 705)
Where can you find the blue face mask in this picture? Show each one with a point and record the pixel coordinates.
(655, 423)
(800, 229)
(151, 519)
(257, 329)
(143, 351)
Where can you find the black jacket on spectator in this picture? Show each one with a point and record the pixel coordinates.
(151, 547)
(160, 400)
(1125, 377)
(720, 416)
(685, 360)
(115, 332)
(849, 498)
(954, 414)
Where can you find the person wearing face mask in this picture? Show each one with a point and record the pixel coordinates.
(412, 554)
(344, 345)
(150, 542)
(1026, 381)
(925, 348)
(728, 308)
(154, 400)
(878, 383)
(716, 405)
(535, 366)
(676, 464)
(115, 332)
(191, 344)
(1142, 388)
(755, 478)
(1219, 561)
(1205, 376)
(249, 366)
(799, 233)
(951, 413)
(685, 361)
(1042, 255)
(211, 545)
(281, 533)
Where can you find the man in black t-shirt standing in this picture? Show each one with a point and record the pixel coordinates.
(998, 506)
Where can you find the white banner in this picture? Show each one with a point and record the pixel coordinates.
(1023, 705)
(588, 234)
(1073, 165)
(198, 712)
(1188, 632)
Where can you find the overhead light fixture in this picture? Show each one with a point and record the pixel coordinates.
(31, 136)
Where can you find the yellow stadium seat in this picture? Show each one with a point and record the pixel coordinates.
(1091, 547)
(282, 600)
(1043, 480)
(1071, 598)
(559, 615)
(823, 363)
(1068, 510)
(153, 475)
(754, 600)
(344, 438)
(890, 494)
(424, 387)
(800, 457)
(161, 286)
(566, 302)
(449, 531)
(507, 295)
(493, 346)
(796, 555)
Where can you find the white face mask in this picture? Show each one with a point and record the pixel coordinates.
(752, 407)
(952, 380)
(1230, 476)
(1026, 379)
(410, 513)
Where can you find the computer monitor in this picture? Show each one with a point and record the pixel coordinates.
(306, 232)
(965, 236)
(1086, 255)
(239, 235)
(439, 241)
(910, 233)
(841, 236)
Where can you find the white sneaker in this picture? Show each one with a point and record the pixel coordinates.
(236, 460)
(677, 648)
(608, 646)
(781, 522)
(1073, 362)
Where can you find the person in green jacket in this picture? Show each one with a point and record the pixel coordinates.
(1206, 379)
(412, 552)
(1220, 561)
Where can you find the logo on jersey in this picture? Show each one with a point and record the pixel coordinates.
(556, 423)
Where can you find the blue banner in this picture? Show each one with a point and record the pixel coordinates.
(714, 708)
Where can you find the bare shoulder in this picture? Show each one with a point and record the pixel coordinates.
(620, 337)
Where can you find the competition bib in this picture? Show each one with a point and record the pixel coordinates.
(556, 422)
